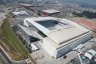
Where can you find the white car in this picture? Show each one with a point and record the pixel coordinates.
(93, 52)
(90, 54)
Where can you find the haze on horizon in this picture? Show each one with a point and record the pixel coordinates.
(91, 2)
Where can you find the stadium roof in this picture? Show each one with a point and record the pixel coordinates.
(26, 30)
(41, 18)
(65, 34)
(26, 5)
(50, 11)
(38, 26)
(52, 42)
(59, 35)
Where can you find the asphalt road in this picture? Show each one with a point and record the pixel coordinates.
(2, 61)
(2, 16)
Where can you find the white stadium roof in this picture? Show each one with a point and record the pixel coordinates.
(52, 42)
(59, 35)
(38, 26)
(41, 18)
(65, 34)
(26, 30)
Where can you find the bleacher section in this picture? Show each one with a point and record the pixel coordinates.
(53, 24)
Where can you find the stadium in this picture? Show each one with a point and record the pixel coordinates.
(62, 35)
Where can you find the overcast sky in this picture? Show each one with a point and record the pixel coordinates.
(92, 2)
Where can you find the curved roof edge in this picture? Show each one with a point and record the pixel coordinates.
(38, 26)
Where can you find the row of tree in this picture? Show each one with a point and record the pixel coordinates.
(86, 14)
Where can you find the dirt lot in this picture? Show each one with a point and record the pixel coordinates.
(94, 20)
(86, 22)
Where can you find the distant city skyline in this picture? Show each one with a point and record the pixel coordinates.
(91, 2)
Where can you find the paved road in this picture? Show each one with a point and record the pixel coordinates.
(2, 61)
(2, 16)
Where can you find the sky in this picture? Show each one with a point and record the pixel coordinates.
(92, 2)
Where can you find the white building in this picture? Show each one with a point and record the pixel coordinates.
(62, 35)
(20, 13)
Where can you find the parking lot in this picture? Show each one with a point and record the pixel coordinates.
(42, 57)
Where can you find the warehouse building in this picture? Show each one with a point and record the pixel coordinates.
(62, 35)
(50, 12)
(17, 13)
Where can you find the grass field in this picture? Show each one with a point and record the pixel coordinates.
(1, 31)
(10, 39)
(12, 42)
(43, 35)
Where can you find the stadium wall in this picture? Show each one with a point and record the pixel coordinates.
(56, 53)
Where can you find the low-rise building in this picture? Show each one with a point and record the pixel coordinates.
(17, 13)
(50, 12)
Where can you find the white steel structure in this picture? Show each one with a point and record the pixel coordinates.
(62, 35)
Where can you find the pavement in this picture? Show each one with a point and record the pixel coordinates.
(42, 57)
(91, 44)
(2, 60)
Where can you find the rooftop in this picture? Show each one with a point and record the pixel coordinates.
(88, 45)
(64, 43)
(19, 12)
(50, 11)
(65, 34)
(29, 32)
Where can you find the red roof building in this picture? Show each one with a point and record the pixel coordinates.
(48, 12)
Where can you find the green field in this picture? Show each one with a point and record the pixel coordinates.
(42, 34)
(12, 42)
